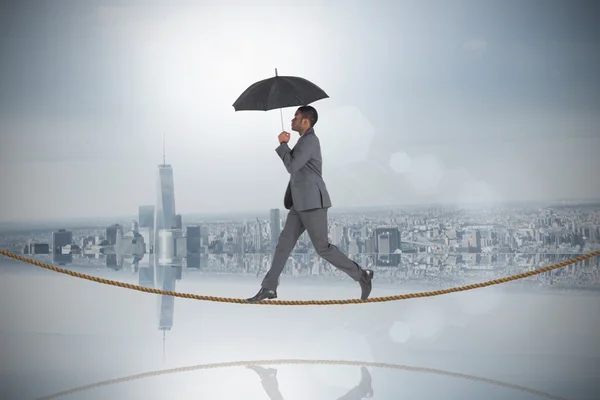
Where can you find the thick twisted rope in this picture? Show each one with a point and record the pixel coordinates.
(301, 302)
(303, 362)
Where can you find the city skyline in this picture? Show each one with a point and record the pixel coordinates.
(438, 240)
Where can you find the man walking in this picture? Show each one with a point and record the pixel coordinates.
(307, 200)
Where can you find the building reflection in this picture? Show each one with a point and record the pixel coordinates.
(167, 275)
(61, 243)
(158, 270)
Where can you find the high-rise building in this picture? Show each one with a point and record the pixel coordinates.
(337, 235)
(60, 239)
(193, 239)
(113, 232)
(275, 224)
(164, 217)
(387, 242)
(241, 242)
(146, 216)
(164, 212)
(257, 239)
(192, 261)
(193, 247)
(178, 222)
(204, 239)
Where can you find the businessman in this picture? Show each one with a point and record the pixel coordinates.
(307, 200)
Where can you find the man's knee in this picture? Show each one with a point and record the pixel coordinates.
(324, 249)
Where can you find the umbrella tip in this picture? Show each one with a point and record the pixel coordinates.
(276, 72)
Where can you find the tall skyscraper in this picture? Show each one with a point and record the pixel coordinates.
(164, 212)
(165, 261)
(164, 217)
(275, 222)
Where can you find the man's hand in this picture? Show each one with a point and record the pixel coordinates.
(283, 137)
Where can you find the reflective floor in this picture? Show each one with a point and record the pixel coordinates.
(58, 333)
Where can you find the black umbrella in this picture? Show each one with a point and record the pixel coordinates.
(279, 92)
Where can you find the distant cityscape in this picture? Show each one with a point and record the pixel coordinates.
(437, 245)
(400, 244)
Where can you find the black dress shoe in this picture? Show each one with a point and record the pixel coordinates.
(366, 283)
(263, 294)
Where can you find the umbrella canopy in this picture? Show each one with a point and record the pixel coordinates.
(279, 92)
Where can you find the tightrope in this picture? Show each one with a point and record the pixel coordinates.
(303, 362)
(397, 297)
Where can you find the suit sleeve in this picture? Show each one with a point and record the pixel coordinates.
(296, 160)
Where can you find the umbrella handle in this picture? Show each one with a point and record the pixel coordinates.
(280, 110)
(281, 115)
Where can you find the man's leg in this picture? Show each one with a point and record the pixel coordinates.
(269, 381)
(285, 244)
(363, 390)
(315, 222)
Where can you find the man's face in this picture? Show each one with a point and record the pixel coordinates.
(298, 122)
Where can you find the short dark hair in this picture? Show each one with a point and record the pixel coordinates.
(310, 114)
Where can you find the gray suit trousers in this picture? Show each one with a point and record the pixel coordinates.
(315, 223)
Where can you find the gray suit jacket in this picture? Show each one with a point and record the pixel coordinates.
(306, 189)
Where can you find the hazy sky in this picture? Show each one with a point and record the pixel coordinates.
(430, 101)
